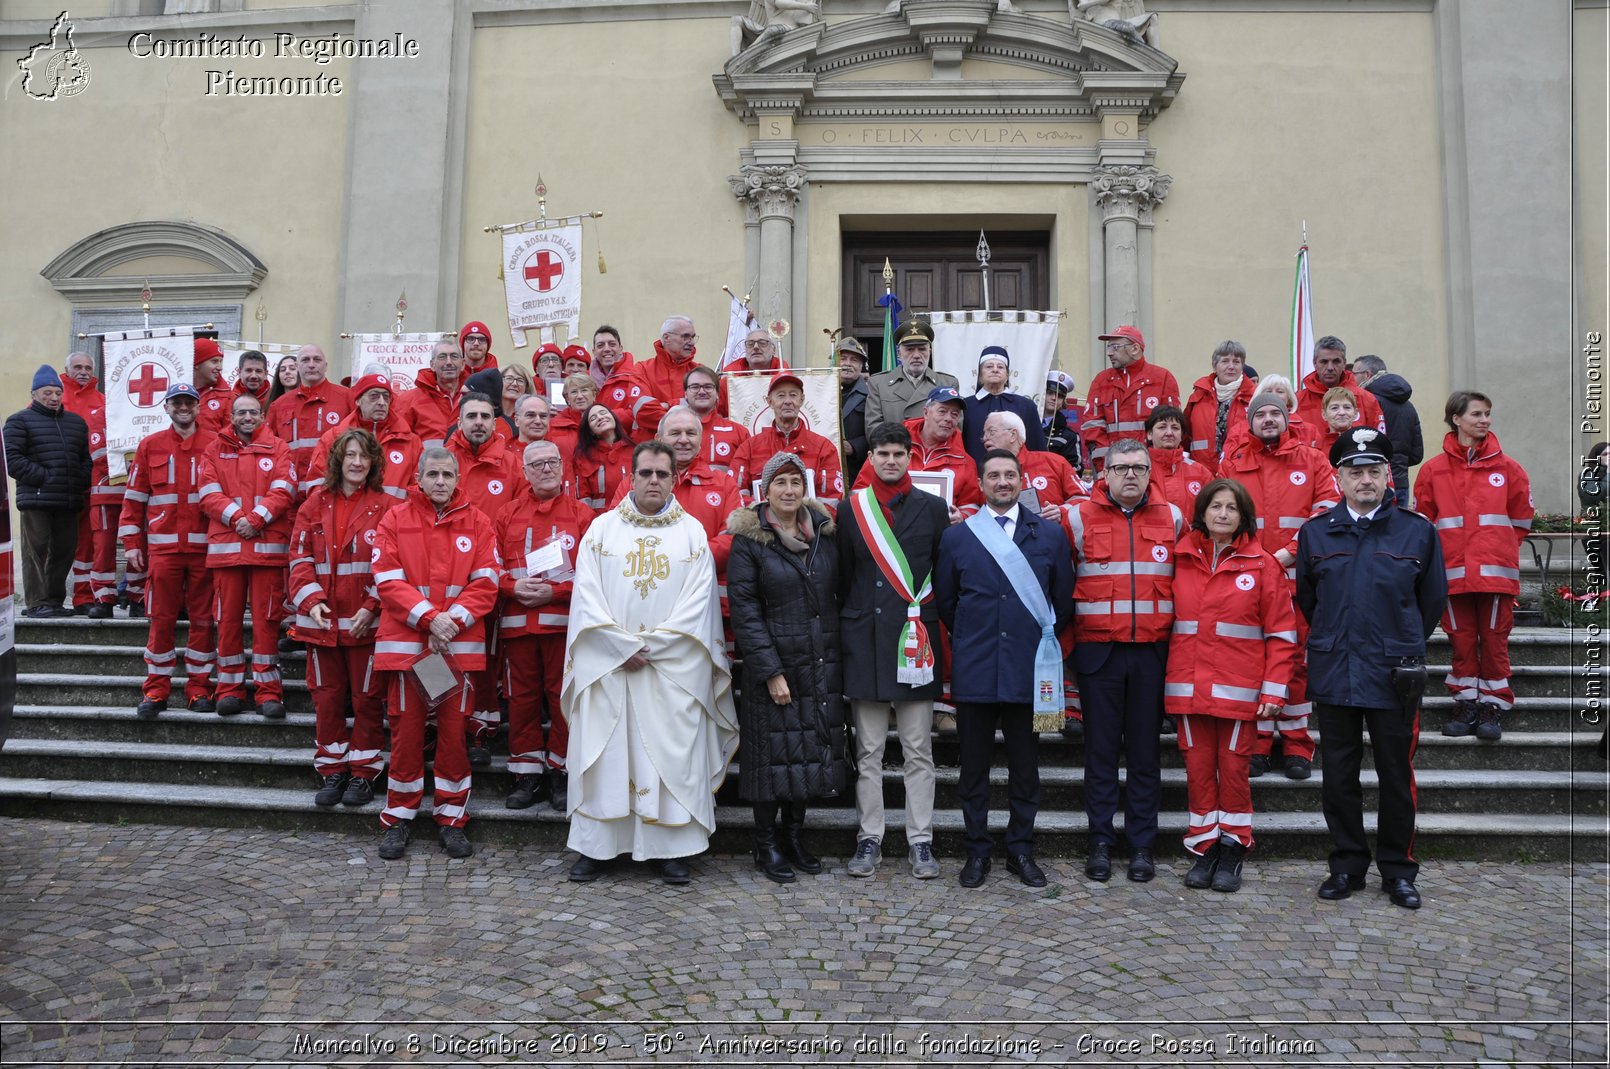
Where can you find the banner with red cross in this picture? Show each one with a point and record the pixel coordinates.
(275, 351)
(140, 365)
(542, 280)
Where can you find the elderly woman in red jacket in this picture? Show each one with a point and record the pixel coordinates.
(1229, 662)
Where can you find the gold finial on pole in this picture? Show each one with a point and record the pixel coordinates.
(888, 275)
(542, 198)
(145, 302)
(402, 309)
(261, 315)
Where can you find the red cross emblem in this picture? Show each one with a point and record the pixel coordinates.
(148, 385)
(543, 270)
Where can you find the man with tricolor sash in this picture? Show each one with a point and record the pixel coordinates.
(889, 540)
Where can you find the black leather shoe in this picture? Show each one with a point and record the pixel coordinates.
(201, 705)
(331, 790)
(1099, 866)
(230, 706)
(558, 791)
(1023, 867)
(271, 710)
(1141, 867)
(150, 707)
(480, 756)
(100, 611)
(528, 789)
(1402, 893)
(1200, 877)
(973, 872)
(1167, 726)
(1073, 729)
(1257, 765)
(1299, 768)
(675, 871)
(1339, 885)
(587, 869)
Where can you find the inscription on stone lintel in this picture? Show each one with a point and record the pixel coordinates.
(946, 135)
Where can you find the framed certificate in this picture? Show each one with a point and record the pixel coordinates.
(941, 483)
(556, 393)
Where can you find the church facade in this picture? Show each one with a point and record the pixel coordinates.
(1153, 164)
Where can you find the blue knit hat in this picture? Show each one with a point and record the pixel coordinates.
(45, 376)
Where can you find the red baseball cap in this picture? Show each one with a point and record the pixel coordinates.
(778, 380)
(544, 349)
(1128, 333)
(370, 382)
(476, 327)
(206, 349)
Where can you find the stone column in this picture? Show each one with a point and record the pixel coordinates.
(772, 193)
(1124, 193)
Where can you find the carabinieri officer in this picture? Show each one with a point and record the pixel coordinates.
(1371, 583)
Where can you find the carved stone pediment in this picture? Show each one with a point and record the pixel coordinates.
(828, 71)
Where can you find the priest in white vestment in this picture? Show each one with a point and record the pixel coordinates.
(647, 687)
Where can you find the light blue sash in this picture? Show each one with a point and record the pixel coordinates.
(1048, 657)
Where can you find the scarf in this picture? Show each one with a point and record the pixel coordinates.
(914, 654)
(1226, 392)
(890, 494)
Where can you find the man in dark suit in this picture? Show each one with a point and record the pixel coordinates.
(852, 405)
(1004, 587)
(888, 540)
(1370, 581)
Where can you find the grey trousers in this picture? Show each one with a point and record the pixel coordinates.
(914, 721)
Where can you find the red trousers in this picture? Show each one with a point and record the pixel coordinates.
(1292, 723)
(264, 587)
(335, 675)
(1217, 751)
(533, 670)
(94, 575)
(179, 579)
(405, 786)
(485, 709)
(1478, 627)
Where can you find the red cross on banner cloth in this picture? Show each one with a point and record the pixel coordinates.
(546, 268)
(148, 385)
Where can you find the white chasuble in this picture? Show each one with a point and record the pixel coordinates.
(648, 747)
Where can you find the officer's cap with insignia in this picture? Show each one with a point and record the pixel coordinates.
(914, 332)
(1360, 446)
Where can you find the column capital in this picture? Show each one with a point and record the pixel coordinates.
(772, 190)
(1129, 192)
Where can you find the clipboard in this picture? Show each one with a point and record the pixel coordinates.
(438, 677)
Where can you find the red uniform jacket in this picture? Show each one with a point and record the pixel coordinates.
(1179, 477)
(301, 416)
(1234, 643)
(216, 407)
(427, 564)
(491, 477)
(530, 523)
(820, 455)
(252, 480)
(1288, 483)
(1311, 393)
(721, 440)
(1120, 400)
(1202, 417)
(622, 393)
(1123, 585)
(162, 501)
(602, 477)
(777, 364)
(1051, 477)
(332, 559)
(660, 379)
(951, 456)
(431, 413)
(399, 451)
(1482, 507)
(89, 404)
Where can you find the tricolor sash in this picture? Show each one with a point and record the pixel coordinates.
(915, 654)
(1048, 656)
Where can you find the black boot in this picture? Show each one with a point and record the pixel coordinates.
(789, 841)
(1228, 877)
(1201, 875)
(768, 859)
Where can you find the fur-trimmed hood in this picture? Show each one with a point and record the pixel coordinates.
(745, 522)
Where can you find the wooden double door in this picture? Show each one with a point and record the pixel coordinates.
(939, 272)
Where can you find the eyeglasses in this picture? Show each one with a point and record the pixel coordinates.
(700, 387)
(1129, 469)
(653, 474)
(685, 337)
(541, 465)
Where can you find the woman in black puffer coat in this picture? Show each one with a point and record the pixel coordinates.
(782, 592)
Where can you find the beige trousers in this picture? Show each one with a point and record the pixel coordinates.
(914, 721)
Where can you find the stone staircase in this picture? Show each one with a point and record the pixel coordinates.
(77, 752)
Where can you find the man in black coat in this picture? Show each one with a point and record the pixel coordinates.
(1402, 421)
(47, 452)
(994, 641)
(852, 405)
(1370, 581)
(880, 667)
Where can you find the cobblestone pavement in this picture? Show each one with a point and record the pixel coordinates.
(147, 945)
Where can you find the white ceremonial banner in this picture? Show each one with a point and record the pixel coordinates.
(139, 366)
(740, 321)
(275, 351)
(542, 280)
(1029, 337)
(746, 400)
(401, 355)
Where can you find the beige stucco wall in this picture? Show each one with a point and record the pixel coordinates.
(1262, 137)
(143, 142)
(1592, 178)
(642, 137)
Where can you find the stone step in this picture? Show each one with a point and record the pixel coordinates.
(1061, 787)
(55, 688)
(1058, 833)
(1536, 750)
